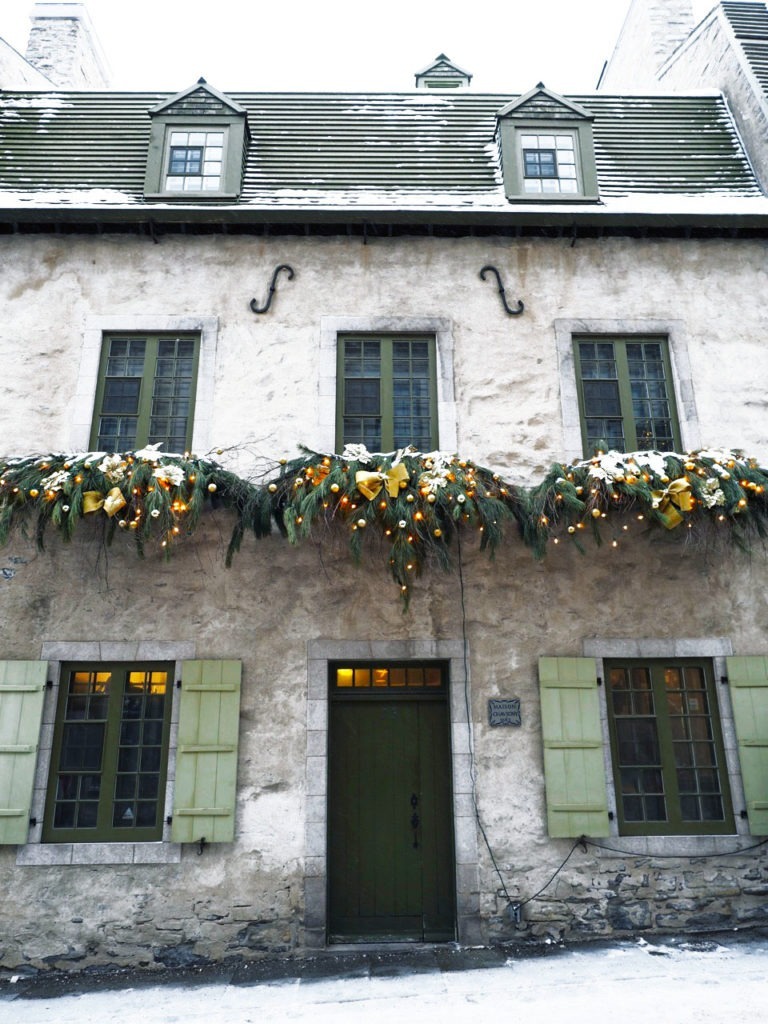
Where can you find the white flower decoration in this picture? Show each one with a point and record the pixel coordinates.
(173, 475)
(113, 468)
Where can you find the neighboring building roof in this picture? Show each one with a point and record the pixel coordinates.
(749, 22)
(383, 152)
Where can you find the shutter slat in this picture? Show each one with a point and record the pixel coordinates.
(206, 757)
(22, 688)
(574, 770)
(748, 678)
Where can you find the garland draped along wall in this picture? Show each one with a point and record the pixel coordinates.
(414, 501)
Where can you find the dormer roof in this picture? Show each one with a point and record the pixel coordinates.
(200, 99)
(442, 73)
(543, 102)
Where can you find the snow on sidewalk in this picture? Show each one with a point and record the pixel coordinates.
(634, 983)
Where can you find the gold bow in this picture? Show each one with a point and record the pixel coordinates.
(94, 500)
(671, 502)
(369, 484)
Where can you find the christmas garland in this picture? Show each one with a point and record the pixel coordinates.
(412, 504)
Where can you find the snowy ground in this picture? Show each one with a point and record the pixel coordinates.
(706, 982)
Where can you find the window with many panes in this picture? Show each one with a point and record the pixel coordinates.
(626, 397)
(387, 392)
(549, 163)
(195, 161)
(109, 756)
(667, 748)
(145, 392)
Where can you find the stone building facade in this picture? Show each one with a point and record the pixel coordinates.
(317, 761)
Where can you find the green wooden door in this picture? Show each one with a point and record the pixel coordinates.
(390, 845)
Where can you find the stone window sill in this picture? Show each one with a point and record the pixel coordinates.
(49, 854)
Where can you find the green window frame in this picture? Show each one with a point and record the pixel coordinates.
(668, 758)
(109, 756)
(626, 393)
(146, 392)
(387, 392)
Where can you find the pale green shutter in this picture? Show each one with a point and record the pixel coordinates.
(748, 678)
(22, 687)
(206, 755)
(574, 766)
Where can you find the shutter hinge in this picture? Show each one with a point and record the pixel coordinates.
(178, 684)
(743, 815)
(169, 820)
(610, 815)
(599, 680)
(724, 680)
(33, 822)
(49, 684)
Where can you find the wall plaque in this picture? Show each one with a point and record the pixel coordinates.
(504, 712)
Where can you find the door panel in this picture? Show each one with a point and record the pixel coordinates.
(390, 874)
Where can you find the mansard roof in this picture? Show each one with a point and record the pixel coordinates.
(422, 155)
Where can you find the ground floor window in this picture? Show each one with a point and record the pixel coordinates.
(109, 756)
(667, 748)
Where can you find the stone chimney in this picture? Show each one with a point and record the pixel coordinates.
(652, 30)
(63, 46)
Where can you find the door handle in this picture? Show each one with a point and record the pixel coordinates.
(415, 821)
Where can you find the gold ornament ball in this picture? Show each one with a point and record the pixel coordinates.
(335, 488)
(438, 532)
(596, 513)
(34, 492)
(361, 523)
(272, 488)
(122, 524)
(431, 498)
(410, 498)
(212, 488)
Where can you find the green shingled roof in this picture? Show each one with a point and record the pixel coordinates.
(384, 151)
(749, 22)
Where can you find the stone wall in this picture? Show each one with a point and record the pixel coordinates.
(248, 898)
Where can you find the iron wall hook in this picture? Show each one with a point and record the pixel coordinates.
(512, 312)
(256, 308)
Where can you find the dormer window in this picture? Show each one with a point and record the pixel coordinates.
(195, 161)
(198, 145)
(549, 163)
(547, 149)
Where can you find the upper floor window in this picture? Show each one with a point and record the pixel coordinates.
(547, 149)
(198, 143)
(387, 394)
(626, 398)
(145, 392)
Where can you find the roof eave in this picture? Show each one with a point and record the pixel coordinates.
(255, 216)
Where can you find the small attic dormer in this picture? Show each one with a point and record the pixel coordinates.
(442, 73)
(198, 146)
(547, 149)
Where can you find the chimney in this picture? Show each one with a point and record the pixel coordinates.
(652, 30)
(63, 46)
